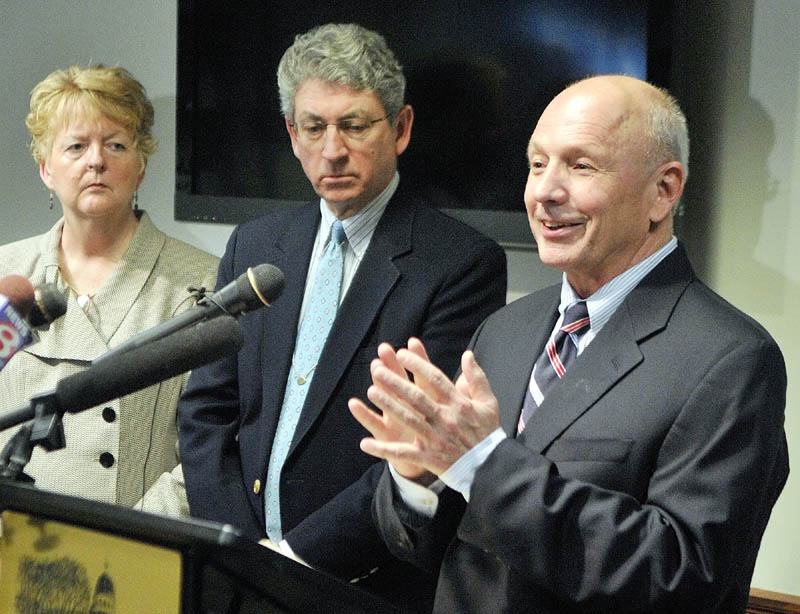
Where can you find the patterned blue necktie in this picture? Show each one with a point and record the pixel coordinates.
(551, 365)
(314, 329)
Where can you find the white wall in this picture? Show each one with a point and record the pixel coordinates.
(741, 84)
(38, 36)
(743, 213)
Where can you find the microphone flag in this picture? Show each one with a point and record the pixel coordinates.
(15, 333)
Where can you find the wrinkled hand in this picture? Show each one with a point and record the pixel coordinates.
(384, 427)
(428, 423)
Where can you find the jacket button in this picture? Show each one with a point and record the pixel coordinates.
(106, 459)
(257, 486)
(109, 415)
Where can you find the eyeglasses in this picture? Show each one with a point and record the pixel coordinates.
(352, 129)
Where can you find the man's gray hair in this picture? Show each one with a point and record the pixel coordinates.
(668, 132)
(342, 54)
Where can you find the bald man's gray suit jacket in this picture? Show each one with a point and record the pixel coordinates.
(643, 483)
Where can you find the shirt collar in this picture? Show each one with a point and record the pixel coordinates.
(604, 302)
(358, 228)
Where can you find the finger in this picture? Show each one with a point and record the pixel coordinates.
(365, 416)
(413, 395)
(462, 386)
(398, 408)
(388, 356)
(375, 447)
(427, 376)
(409, 459)
(374, 364)
(395, 453)
(478, 385)
(416, 346)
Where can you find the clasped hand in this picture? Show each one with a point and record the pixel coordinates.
(428, 422)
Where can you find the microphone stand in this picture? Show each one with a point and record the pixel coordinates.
(46, 430)
(155, 362)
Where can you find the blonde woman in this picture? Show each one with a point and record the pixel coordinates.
(91, 138)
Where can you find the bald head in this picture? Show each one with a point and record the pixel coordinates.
(639, 114)
(605, 176)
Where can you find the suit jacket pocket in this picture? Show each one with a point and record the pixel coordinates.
(591, 450)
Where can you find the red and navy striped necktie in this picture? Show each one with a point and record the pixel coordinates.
(551, 365)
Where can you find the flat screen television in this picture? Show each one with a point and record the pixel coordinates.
(478, 76)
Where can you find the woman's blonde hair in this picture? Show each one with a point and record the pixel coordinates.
(97, 90)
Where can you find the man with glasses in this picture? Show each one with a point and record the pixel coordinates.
(267, 441)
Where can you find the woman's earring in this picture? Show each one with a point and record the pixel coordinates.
(136, 200)
(51, 201)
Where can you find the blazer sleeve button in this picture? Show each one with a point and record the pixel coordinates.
(257, 486)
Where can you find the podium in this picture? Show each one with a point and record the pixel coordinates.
(65, 554)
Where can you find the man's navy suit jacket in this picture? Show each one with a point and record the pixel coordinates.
(423, 274)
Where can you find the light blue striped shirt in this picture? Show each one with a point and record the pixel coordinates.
(607, 299)
(358, 228)
(601, 306)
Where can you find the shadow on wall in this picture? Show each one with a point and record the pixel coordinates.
(730, 185)
(731, 190)
(749, 188)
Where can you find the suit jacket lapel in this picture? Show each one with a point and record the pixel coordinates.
(55, 343)
(606, 360)
(376, 276)
(113, 303)
(613, 353)
(524, 343)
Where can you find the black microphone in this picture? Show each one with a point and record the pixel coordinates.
(257, 287)
(48, 305)
(184, 350)
(39, 306)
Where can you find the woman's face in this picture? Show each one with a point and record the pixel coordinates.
(93, 167)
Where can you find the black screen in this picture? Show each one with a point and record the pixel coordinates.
(478, 76)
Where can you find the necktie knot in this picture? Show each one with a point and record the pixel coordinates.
(337, 232)
(576, 318)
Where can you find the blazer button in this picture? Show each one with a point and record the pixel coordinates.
(109, 415)
(257, 486)
(106, 459)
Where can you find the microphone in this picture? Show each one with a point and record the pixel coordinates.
(257, 287)
(18, 292)
(16, 300)
(40, 305)
(48, 305)
(23, 308)
(138, 368)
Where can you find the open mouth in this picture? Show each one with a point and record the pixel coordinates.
(557, 225)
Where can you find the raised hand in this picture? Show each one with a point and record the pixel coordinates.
(428, 422)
